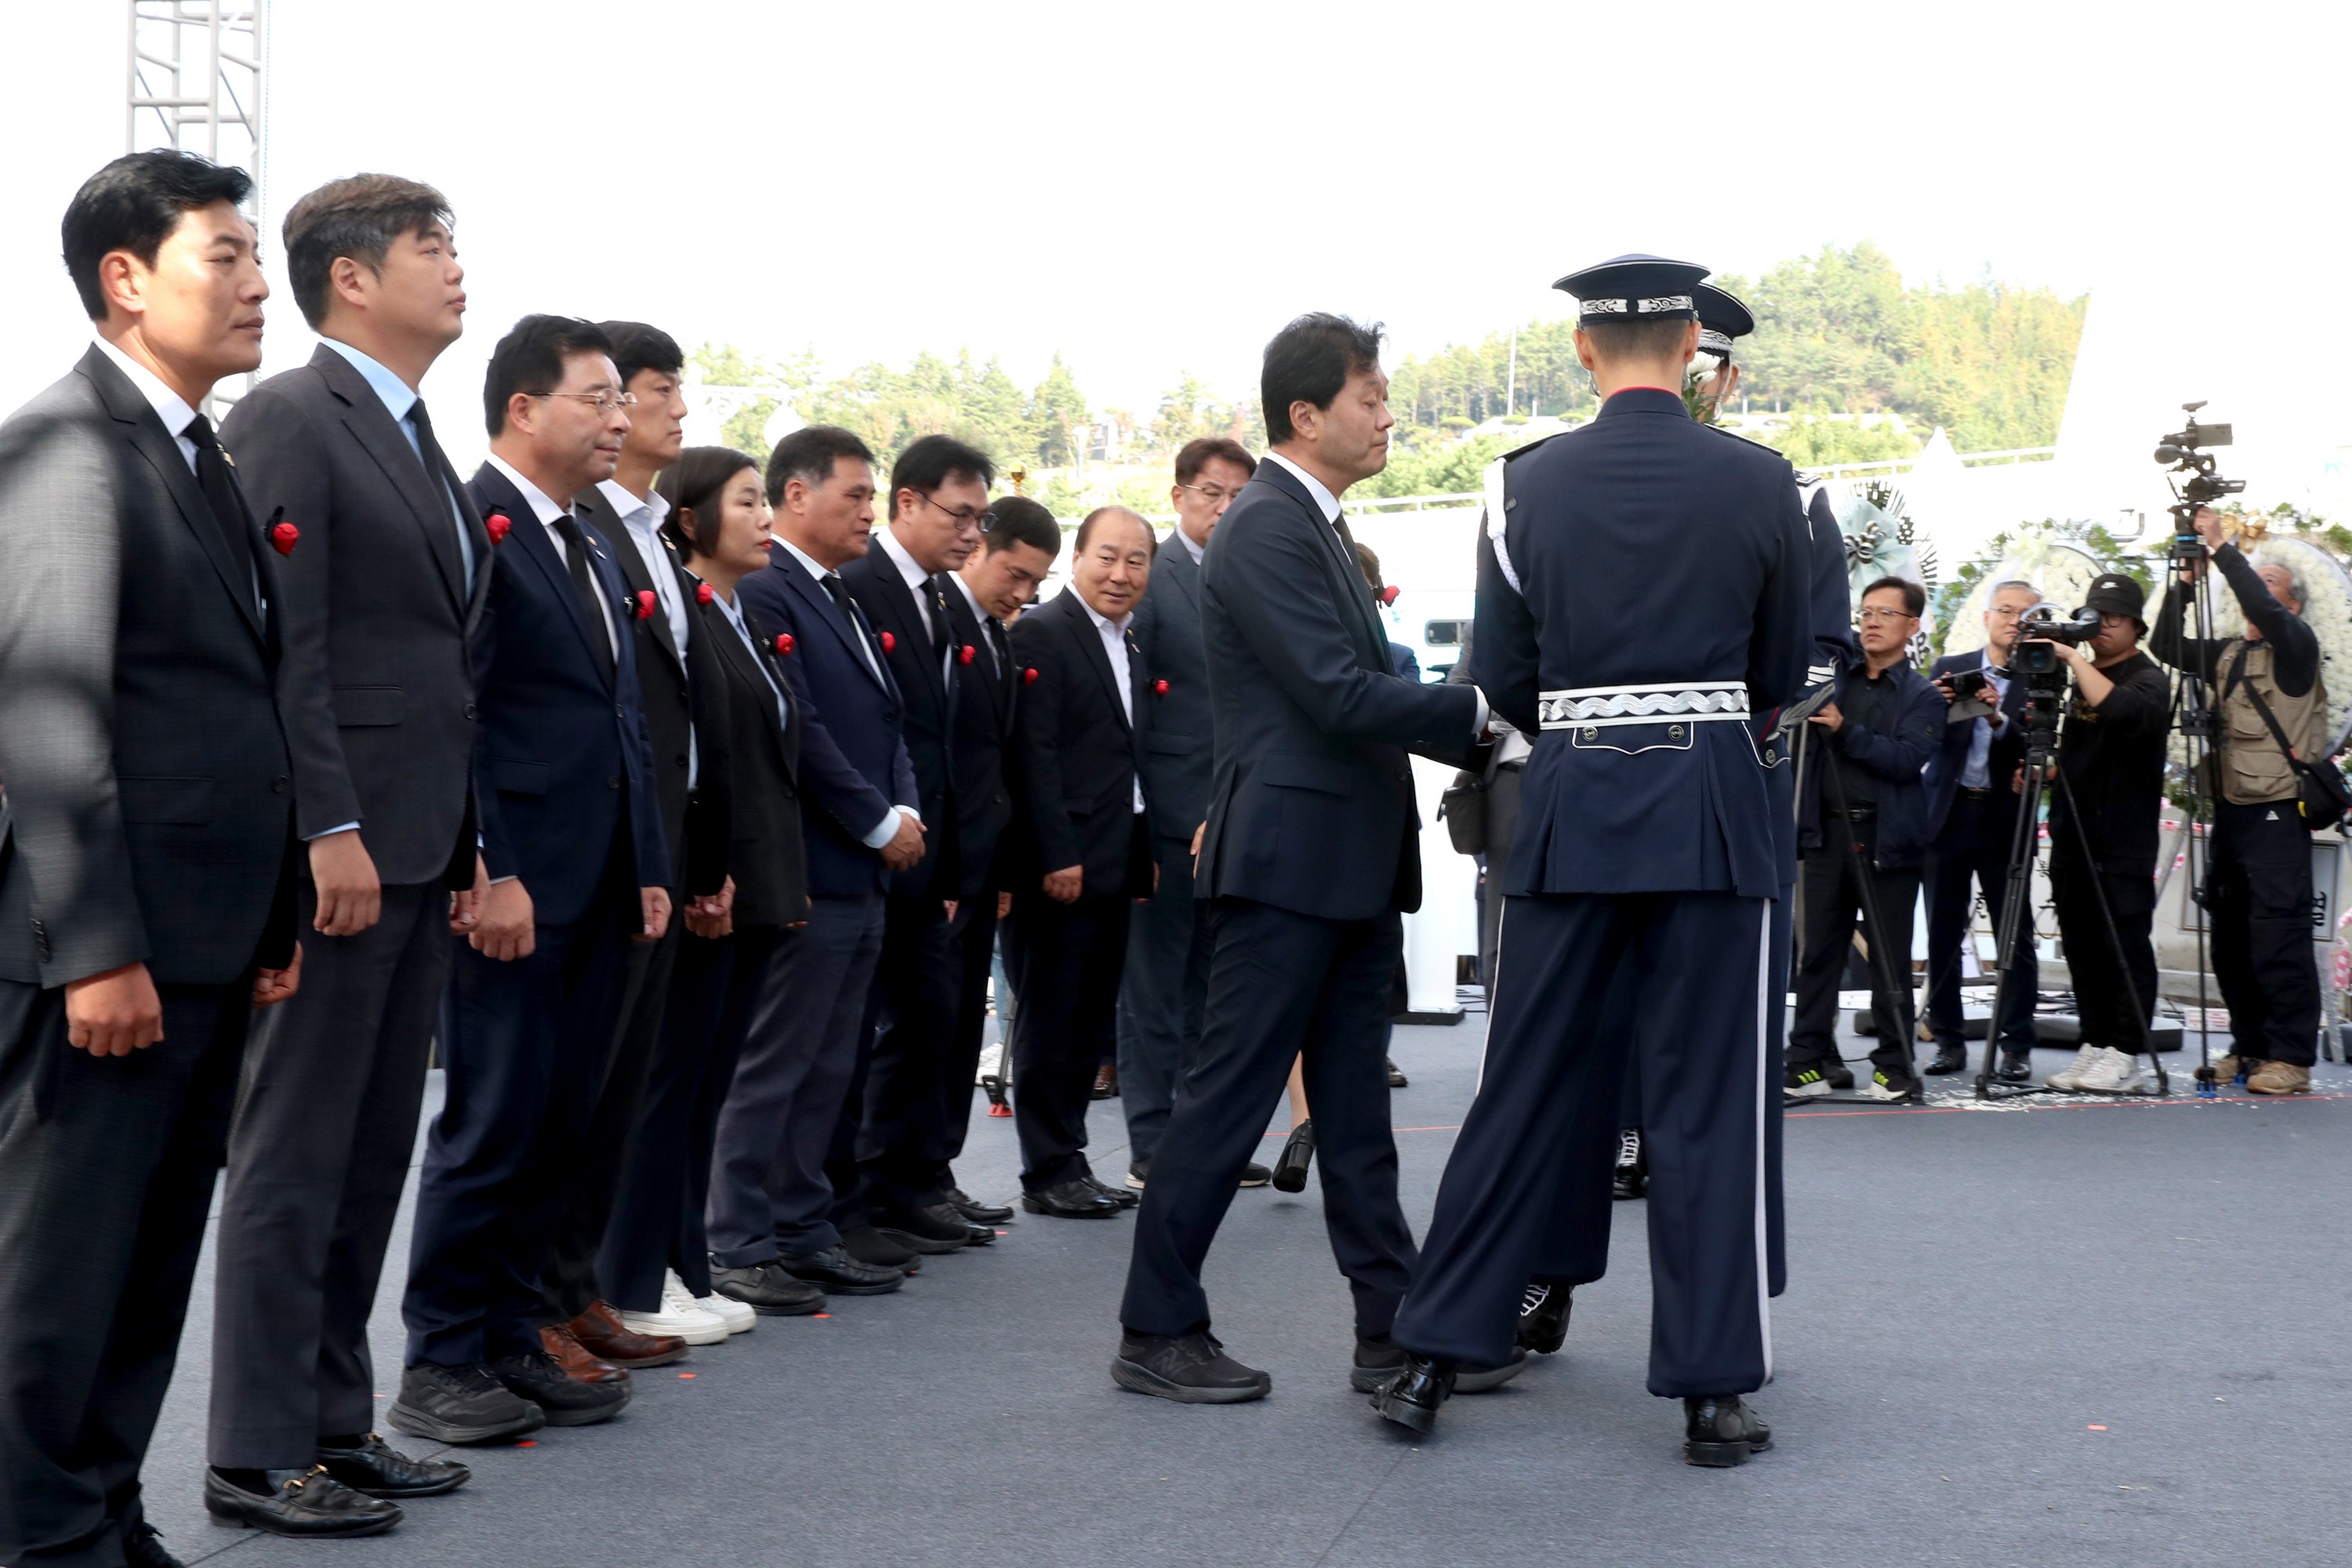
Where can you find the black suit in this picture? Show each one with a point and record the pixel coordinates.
(1312, 849)
(1972, 832)
(685, 700)
(912, 1014)
(1167, 985)
(149, 812)
(379, 596)
(983, 760)
(569, 806)
(656, 1221)
(1080, 758)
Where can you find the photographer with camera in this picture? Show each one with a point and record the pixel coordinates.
(1865, 816)
(1972, 819)
(2103, 826)
(2268, 697)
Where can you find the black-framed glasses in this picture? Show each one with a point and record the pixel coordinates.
(985, 520)
(601, 402)
(1212, 494)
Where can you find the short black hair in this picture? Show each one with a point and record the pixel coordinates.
(134, 203)
(359, 217)
(688, 484)
(1915, 597)
(809, 454)
(1636, 340)
(1308, 361)
(1201, 450)
(636, 346)
(1103, 513)
(530, 359)
(1020, 521)
(931, 461)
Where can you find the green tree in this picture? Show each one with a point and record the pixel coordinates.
(1057, 413)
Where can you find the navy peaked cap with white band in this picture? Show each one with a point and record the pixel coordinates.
(1635, 289)
(1721, 319)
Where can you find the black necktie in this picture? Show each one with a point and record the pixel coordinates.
(1356, 573)
(848, 608)
(436, 464)
(227, 507)
(997, 646)
(575, 549)
(942, 635)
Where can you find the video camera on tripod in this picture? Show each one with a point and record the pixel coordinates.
(2043, 625)
(2187, 452)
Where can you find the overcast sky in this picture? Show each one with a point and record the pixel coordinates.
(1150, 189)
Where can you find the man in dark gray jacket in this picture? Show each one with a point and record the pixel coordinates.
(1167, 979)
(143, 899)
(388, 571)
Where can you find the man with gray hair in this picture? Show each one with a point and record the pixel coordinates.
(2268, 698)
(1972, 814)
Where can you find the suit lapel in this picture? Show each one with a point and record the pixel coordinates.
(996, 679)
(1081, 627)
(750, 670)
(1371, 639)
(828, 615)
(591, 505)
(387, 444)
(907, 609)
(540, 550)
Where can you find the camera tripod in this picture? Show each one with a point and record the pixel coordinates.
(2045, 697)
(2192, 712)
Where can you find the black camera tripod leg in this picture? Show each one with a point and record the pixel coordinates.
(2024, 845)
(1894, 988)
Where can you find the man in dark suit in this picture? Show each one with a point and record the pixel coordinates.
(388, 576)
(1646, 839)
(990, 590)
(1972, 817)
(576, 867)
(146, 896)
(939, 514)
(677, 684)
(1311, 851)
(1085, 850)
(1167, 984)
(772, 1198)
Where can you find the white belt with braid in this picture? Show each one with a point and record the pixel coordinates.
(1599, 707)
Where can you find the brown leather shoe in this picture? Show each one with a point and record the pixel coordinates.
(579, 1363)
(1107, 1081)
(601, 1330)
(2279, 1077)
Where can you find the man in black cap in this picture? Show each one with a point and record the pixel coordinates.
(2103, 835)
(1645, 841)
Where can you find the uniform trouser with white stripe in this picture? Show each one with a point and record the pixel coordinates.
(1575, 1246)
(1703, 985)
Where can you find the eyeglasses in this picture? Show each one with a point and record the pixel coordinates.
(985, 520)
(601, 402)
(1875, 616)
(1212, 494)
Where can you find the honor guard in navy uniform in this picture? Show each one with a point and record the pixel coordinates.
(1576, 1245)
(1642, 591)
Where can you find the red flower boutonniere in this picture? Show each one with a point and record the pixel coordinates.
(889, 643)
(1029, 675)
(496, 525)
(1160, 689)
(283, 537)
(783, 643)
(964, 653)
(645, 603)
(703, 594)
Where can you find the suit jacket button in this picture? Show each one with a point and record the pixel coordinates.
(620, 710)
(277, 785)
(470, 713)
(1674, 731)
(1592, 733)
(613, 784)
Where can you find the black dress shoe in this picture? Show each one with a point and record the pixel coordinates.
(1411, 1398)
(979, 1213)
(460, 1405)
(1631, 1178)
(1124, 1197)
(868, 1245)
(380, 1470)
(2016, 1067)
(534, 1375)
(143, 1547)
(1470, 1378)
(1543, 1316)
(1949, 1060)
(1378, 1361)
(1290, 1169)
(1073, 1199)
(768, 1290)
(1254, 1175)
(1720, 1431)
(936, 1228)
(309, 1503)
(1190, 1369)
(1396, 1074)
(837, 1273)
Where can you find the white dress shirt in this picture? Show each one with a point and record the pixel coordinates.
(546, 510)
(886, 829)
(400, 400)
(917, 581)
(169, 405)
(1199, 552)
(1114, 641)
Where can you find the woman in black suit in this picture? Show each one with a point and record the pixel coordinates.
(720, 524)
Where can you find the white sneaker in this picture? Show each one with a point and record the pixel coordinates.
(2066, 1077)
(2113, 1073)
(734, 1315)
(678, 1315)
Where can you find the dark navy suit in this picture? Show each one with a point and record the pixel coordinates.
(564, 777)
(784, 1175)
(1311, 852)
(1969, 839)
(1648, 593)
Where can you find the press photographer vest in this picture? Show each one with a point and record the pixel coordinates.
(2252, 769)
